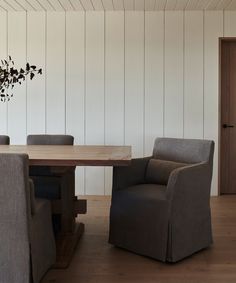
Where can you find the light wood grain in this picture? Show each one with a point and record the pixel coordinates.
(62, 155)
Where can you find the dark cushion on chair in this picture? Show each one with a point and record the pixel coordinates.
(152, 192)
(50, 140)
(158, 171)
(4, 140)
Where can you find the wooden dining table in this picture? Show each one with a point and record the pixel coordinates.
(69, 206)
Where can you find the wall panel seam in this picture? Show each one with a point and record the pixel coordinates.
(144, 81)
(46, 39)
(26, 81)
(203, 74)
(85, 91)
(104, 91)
(164, 68)
(124, 77)
(65, 61)
(203, 104)
(184, 54)
(7, 39)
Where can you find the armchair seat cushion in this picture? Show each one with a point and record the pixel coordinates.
(158, 171)
(151, 192)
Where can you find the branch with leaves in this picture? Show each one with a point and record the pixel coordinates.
(10, 76)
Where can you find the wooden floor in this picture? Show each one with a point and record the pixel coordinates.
(95, 261)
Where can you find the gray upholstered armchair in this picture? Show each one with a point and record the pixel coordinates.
(50, 181)
(160, 204)
(27, 245)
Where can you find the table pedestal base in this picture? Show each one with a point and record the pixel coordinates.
(66, 244)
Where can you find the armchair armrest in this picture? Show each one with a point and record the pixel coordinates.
(131, 175)
(190, 185)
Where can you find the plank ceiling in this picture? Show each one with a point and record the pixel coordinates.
(115, 5)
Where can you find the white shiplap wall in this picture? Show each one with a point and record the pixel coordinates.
(115, 78)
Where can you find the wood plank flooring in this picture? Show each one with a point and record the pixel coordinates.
(96, 261)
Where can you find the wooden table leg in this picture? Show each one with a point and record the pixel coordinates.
(66, 244)
(71, 231)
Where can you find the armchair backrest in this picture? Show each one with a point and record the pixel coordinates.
(14, 218)
(50, 140)
(4, 140)
(184, 150)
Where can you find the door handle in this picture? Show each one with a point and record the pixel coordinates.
(227, 126)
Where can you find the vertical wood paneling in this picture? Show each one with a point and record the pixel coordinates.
(129, 5)
(75, 83)
(116, 79)
(55, 82)
(173, 109)
(36, 37)
(17, 49)
(94, 100)
(134, 81)
(3, 55)
(154, 51)
(118, 4)
(230, 23)
(193, 75)
(213, 30)
(114, 84)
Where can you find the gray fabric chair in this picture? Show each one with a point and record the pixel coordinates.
(48, 180)
(160, 204)
(4, 140)
(27, 245)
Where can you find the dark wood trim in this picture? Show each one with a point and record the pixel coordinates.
(219, 118)
(76, 162)
(221, 41)
(230, 39)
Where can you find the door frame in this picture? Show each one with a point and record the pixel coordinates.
(220, 122)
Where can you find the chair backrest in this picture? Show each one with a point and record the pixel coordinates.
(4, 140)
(14, 219)
(184, 150)
(50, 140)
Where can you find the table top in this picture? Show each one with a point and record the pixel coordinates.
(77, 155)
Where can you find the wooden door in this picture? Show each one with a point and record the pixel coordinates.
(228, 117)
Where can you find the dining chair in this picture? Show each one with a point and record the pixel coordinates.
(27, 245)
(4, 140)
(52, 182)
(160, 204)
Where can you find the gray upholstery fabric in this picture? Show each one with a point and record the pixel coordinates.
(50, 140)
(139, 218)
(170, 222)
(18, 228)
(158, 171)
(42, 242)
(48, 181)
(182, 150)
(4, 140)
(124, 177)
